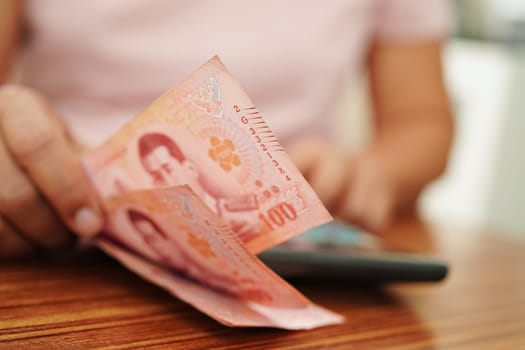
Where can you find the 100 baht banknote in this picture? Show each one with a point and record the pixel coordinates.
(170, 237)
(206, 133)
(197, 184)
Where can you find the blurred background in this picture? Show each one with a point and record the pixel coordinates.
(484, 64)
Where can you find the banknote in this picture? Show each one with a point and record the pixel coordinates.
(194, 187)
(207, 134)
(170, 237)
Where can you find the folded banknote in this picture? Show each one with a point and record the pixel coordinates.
(196, 185)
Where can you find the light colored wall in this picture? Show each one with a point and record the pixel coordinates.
(506, 201)
(478, 79)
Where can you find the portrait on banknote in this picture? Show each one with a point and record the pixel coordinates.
(185, 244)
(167, 165)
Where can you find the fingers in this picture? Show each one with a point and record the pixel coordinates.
(355, 190)
(11, 244)
(305, 155)
(38, 143)
(329, 177)
(369, 201)
(26, 209)
(326, 167)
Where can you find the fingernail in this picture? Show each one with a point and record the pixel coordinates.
(87, 223)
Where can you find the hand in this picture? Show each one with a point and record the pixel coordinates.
(43, 188)
(355, 188)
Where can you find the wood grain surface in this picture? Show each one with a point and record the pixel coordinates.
(88, 301)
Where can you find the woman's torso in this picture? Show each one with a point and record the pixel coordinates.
(101, 62)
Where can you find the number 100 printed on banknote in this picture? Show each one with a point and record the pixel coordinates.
(204, 142)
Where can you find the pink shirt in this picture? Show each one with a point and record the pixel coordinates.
(101, 62)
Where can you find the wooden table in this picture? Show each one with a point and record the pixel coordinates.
(88, 301)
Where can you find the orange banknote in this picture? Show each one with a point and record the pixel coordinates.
(170, 237)
(207, 134)
(192, 188)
